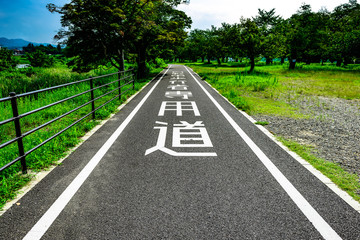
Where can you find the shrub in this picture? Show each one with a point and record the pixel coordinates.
(160, 63)
(40, 59)
(7, 60)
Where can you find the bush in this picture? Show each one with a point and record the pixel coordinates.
(40, 59)
(7, 59)
(160, 63)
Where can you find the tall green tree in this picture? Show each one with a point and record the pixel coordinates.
(100, 31)
(166, 30)
(250, 40)
(197, 44)
(272, 39)
(216, 48)
(300, 34)
(344, 27)
(228, 36)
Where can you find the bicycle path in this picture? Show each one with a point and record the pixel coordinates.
(180, 162)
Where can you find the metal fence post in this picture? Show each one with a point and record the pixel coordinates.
(119, 78)
(18, 132)
(133, 81)
(92, 97)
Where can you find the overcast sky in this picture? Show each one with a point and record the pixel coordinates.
(31, 21)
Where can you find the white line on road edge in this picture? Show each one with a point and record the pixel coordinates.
(38, 176)
(314, 217)
(53, 212)
(341, 193)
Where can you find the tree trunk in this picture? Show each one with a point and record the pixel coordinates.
(122, 62)
(347, 60)
(282, 60)
(218, 60)
(338, 63)
(252, 64)
(141, 62)
(268, 61)
(208, 60)
(292, 64)
(202, 59)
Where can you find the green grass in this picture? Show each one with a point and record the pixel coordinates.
(30, 79)
(317, 80)
(49, 154)
(22, 59)
(254, 93)
(346, 181)
(270, 91)
(270, 88)
(262, 123)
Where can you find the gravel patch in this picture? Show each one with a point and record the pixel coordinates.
(333, 130)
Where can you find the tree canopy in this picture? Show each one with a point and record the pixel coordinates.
(306, 36)
(100, 31)
(7, 59)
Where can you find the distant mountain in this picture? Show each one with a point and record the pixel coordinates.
(16, 43)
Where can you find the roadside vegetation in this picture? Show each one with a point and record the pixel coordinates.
(344, 180)
(34, 78)
(136, 35)
(287, 70)
(261, 64)
(272, 90)
(274, 86)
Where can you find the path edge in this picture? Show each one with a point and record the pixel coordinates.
(325, 180)
(38, 176)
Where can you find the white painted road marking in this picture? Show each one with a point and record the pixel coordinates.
(161, 142)
(53, 212)
(181, 82)
(197, 131)
(180, 94)
(178, 87)
(312, 215)
(178, 107)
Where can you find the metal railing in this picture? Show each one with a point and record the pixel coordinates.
(126, 76)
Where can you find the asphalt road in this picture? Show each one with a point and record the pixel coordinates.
(179, 162)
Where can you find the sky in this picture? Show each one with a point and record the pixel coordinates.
(205, 13)
(31, 21)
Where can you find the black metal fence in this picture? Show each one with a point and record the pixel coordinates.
(123, 79)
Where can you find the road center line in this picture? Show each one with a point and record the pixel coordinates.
(39, 229)
(312, 215)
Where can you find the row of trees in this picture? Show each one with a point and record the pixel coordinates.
(306, 36)
(48, 49)
(36, 58)
(100, 31)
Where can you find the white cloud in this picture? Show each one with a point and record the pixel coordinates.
(205, 13)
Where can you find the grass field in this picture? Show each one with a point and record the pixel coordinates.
(270, 90)
(265, 90)
(11, 180)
